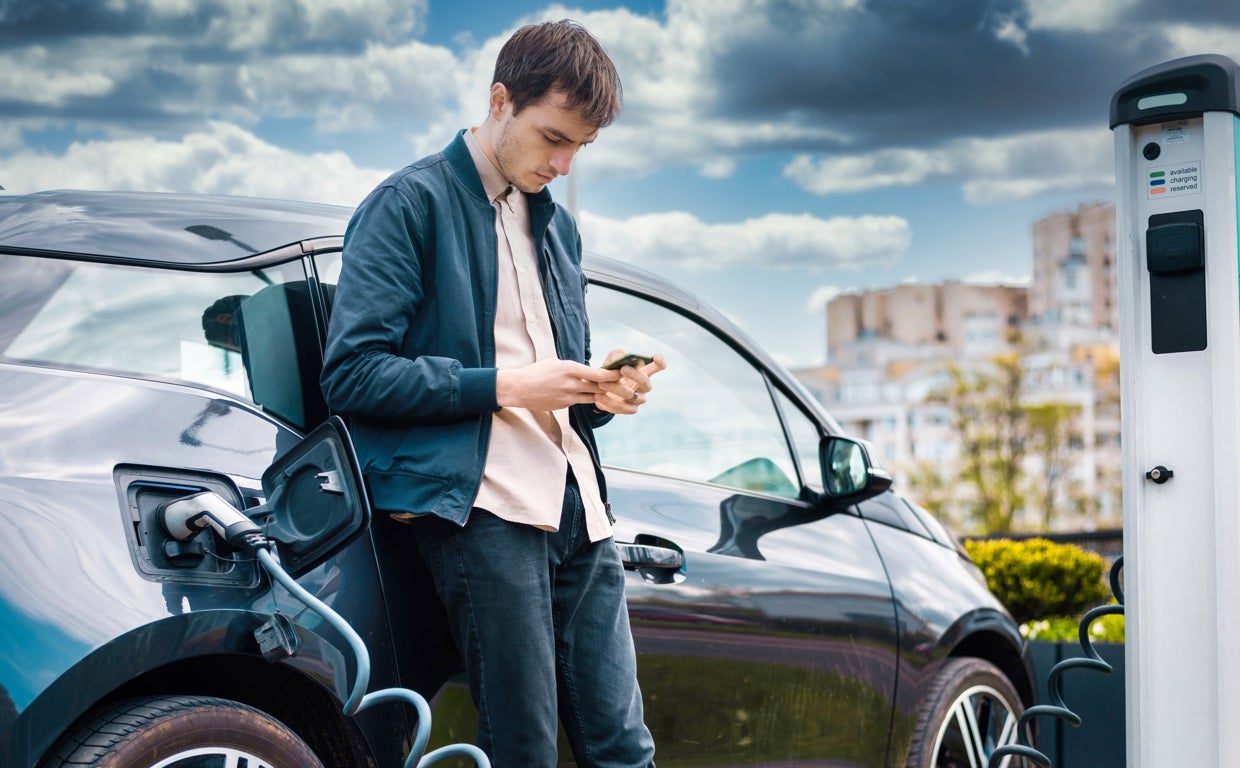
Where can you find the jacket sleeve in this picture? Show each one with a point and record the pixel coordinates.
(367, 371)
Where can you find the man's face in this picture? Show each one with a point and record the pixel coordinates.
(539, 143)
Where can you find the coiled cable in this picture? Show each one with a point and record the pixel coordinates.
(1054, 681)
(358, 698)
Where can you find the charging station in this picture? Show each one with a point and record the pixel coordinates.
(1177, 128)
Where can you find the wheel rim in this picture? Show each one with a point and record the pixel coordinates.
(980, 721)
(213, 757)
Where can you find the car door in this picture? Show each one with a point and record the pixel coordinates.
(773, 641)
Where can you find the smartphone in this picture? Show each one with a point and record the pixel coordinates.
(636, 361)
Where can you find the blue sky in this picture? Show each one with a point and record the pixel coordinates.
(771, 153)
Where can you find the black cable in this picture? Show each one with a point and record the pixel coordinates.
(1054, 682)
(358, 698)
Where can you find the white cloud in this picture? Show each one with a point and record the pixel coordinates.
(993, 277)
(251, 59)
(875, 170)
(222, 159)
(990, 170)
(226, 159)
(773, 241)
(252, 24)
(348, 92)
(1076, 16)
(661, 68)
(1187, 39)
(1008, 30)
(666, 69)
(37, 75)
(10, 137)
(817, 302)
(718, 168)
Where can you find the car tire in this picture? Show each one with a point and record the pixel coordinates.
(180, 732)
(970, 710)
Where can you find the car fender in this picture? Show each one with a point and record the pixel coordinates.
(149, 658)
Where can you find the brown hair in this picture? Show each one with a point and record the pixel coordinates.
(560, 56)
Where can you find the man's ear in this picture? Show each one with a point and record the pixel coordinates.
(499, 100)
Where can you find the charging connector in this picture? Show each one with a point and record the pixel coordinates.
(183, 518)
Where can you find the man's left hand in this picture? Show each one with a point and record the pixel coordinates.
(631, 391)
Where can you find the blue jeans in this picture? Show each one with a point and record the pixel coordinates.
(540, 620)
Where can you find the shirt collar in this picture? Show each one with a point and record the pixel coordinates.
(493, 182)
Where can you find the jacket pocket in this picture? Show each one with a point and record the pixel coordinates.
(405, 491)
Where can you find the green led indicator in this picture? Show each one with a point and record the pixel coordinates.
(1157, 174)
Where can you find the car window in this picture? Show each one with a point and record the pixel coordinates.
(247, 333)
(806, 440)
(328, 266)
(710, 417)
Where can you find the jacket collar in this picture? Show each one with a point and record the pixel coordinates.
(542, 207)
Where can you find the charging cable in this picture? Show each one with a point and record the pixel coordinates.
(1054, 681)
(183, 518)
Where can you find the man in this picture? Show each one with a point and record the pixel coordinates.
(458, 348)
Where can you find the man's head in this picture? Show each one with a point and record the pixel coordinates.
(219, 322)
(560, 56)
(554, 89)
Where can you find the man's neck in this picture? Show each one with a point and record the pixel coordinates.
(485, 135)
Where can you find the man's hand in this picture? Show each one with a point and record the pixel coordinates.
(551, 384)
(628, 393)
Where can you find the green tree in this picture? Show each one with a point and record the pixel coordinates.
(1000, 436)
(992, 427)
(1051, 429)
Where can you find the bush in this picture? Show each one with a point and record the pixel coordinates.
(1038, 578)
(1066, 629)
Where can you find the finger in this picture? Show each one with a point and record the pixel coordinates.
(612, 355)
(614, 404)
(618, 388)
(580, 387)
(637, 380)
(655, 365)
(596, 374)
(610, 403)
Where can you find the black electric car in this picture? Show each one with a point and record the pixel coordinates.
(788, 607)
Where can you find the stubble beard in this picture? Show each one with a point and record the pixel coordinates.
(506, 157)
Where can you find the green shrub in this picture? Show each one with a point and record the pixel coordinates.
(1066, 629)
(1037, 578)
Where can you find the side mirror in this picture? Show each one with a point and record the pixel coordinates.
(849, 472)
(316, 501)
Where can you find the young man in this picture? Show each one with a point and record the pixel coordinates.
(458, 347)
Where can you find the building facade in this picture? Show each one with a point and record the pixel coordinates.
(891, 353)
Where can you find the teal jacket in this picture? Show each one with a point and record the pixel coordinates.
(410, 358)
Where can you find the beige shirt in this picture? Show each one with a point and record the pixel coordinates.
(530, 451)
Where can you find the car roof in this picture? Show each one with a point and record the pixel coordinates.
(200, 230)
(159, 227)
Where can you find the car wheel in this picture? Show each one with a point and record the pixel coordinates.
(969, 712)
(184, 732)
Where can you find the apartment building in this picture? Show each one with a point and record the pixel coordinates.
(889, 350)
(1074, 273)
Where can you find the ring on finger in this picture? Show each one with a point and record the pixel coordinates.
(633, 400)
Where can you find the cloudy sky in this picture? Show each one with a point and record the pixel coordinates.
(771, 153)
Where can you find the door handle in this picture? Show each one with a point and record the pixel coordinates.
(636, 555)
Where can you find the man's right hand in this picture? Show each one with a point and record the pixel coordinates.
(550, 384)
